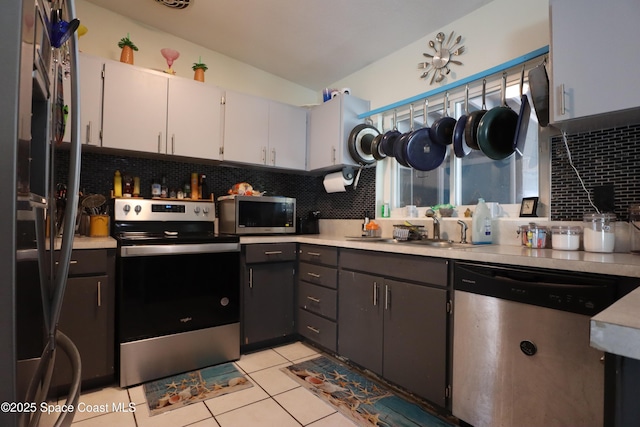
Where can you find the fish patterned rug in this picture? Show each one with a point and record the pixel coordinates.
(191, 387)
(365, 402)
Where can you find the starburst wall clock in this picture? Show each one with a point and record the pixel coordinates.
(438, 63)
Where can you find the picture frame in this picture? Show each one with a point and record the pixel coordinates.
(529, 207)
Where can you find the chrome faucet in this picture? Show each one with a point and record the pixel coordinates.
(463, 231)
(436, 223)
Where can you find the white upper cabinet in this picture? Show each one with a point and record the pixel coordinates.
(287, 136)
(593, 60)
(330, 124)
(193, 119)
(90, 100)
(262, 132)
(135, 108)
(246, 128)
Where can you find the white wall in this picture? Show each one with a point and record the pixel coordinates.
(107, 28)
(494, 34)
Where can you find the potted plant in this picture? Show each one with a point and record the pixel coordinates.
(127, 47)
(198, 70)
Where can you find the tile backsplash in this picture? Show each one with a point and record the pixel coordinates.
(98, 169)
(607, 161)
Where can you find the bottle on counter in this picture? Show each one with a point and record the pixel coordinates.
(204, 188)
(156, 189)
(128, 186)
(187, 190)
(164, 189)
(481, 224)
(195, 192)
(117, 184)
(136, 186)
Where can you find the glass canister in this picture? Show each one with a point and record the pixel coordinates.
(634, 228)
(566, 237)
(599, 232)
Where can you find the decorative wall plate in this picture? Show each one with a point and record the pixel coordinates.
(437, 64)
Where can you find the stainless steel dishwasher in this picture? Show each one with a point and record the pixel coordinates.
(521, 353)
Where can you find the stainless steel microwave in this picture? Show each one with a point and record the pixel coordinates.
(257, 215)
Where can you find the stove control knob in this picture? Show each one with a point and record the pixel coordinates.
(138, 208)
(196, 210)
(205, 211)
(126, 208)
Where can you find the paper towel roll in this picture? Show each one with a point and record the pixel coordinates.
(335, 182)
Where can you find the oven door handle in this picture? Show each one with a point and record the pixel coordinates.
(200, 248)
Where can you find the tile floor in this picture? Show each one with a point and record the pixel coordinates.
(275, 400)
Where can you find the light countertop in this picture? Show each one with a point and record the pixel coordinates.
(85, 242)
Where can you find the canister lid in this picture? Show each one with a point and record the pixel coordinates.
(599, 217)
(566, 229)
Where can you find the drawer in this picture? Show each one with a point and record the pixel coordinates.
(326, 255)
(270, 252)
(86, 261)
(318, 329)
(433, 271)
(319, 275)
(318, 300)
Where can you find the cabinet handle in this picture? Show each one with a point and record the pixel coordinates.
(159, 142)
(73, 261)
(563, 105)
(313, 299)
(375, 294)
(387, 297)
(273, 157)
(333, 155)
(264, 155)
(313, 253)
(99, 293)
(312, 329)
(173, 143)
(316, 275)
(251, 278)
(88, 139)
(272, 252)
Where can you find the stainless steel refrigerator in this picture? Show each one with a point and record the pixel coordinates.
(39, 48)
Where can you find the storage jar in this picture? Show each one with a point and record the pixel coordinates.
(566, 238)
(537, 237)
(634, 228)
(599, 232)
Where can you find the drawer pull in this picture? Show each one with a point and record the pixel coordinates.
(99, 293)
(312, 329)
(316, 275)
(313, 253)
(73, 261)
(313, 299)
(272, 252)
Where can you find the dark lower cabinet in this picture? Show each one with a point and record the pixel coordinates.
(268, 292)
(393, 327)
(87, 317)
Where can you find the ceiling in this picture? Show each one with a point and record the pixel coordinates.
(309, 42)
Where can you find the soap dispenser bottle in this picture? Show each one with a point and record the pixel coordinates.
(481, 232)
(117, 184)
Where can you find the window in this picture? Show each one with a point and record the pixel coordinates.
(461, 181)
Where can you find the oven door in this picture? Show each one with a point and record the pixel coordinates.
(162, 294)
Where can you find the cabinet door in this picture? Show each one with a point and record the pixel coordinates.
(287, 136)
(360, 317)
(593, 85)
(415, 339)
(324, 134)
(90, 100)
(246, 128)
(85, 320)
(135, 109)
(193, 119)
(268, 303)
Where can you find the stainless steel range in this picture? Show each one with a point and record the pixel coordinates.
(178, 289)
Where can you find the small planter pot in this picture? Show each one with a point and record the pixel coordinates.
(126, 55)
(198, 74)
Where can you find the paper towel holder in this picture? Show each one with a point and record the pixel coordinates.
(347, 173)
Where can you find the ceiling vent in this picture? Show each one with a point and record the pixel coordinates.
(176, 4)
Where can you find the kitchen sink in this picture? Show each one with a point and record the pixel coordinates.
(434, 243)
